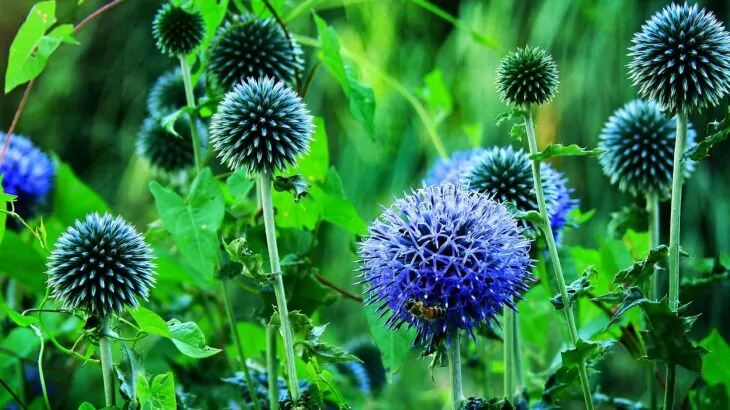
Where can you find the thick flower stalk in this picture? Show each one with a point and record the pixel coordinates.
(27, 172)
(263, 126)
(248, 47)
(101, 265)
(681, 60)
(444, 260)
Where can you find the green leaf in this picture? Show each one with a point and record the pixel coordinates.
(87, 406)
(316, 162)
(710, 397)
(714, 364)
(244, 261)
(361, 99)
(640, 272)
(394, 346)
(295, 184)
(583, 352)
(632, 298)
(17, 318)
(193, 225)
(260, 10)
(149, 322)
(72, 198)
(629, 217)
(304, 292)
(187, 336)
(336, 208)
(560, 150)
(578, 288)
(169, 121)
(32, 45)
(436, 95)
(306, 340)
(666, 337)
(128, 370)
(474, 131)
(22, 262)
(158, 395)
(702, 148)
(240, 184)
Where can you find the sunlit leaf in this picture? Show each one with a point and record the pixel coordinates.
(560, 150)
(158, 394)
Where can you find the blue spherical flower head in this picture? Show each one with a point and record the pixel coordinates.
(452, 168)
(168, 153)
(638, 149)
(168, 94)
(100, 265)
(442, 259)
(261, 125)
(681, 59)
(564, 203)
(27, 172)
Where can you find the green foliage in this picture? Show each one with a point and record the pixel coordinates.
(296, 185)
(73, 199)
(560, 150)
(720, 132)
(578, 288)
(639, 274)
(629, 217)
(157, 394)
(187, 337)
(394, 346)
(307, 344)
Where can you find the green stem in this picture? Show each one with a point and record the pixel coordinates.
(272, 367)
(190, 97)
(553, 249)
(105, 350)
(652, 208)
(41, 375)
(669, 393)
(517, 351)
(239, 346)
(485, 360)
(509, 356)
(268, 209)
(454, 351)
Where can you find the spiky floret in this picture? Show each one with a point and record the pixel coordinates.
(100, 265)
(246, 46)
(177, 31)
(638, 149)
(168, 94)
(456, 251)
(165, 151)
(27, 172)
(681, 59)
(452, 168)
(261, 125)
(527, 76)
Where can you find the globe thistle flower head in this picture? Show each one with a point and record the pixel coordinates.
(564, 203)
(527, 76)
(246, 46)
(168, 94)
(681, 59)
(452, 168)
(638, 149)
(261, 125)
(166, 152)
(261, 382)
(177, 31)
(442, 259)
(27, 172)
(100, 265)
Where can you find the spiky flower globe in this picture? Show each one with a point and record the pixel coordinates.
(443, 259)
(527, 76)
(100, 265)
(452, 168)
(249, 47)
(261, 390)
(165, 151)
(638, 149)
(168, 94)
(681, 59)
(368, 375)
(506, 175)
(177, 31)
(27, 172)
(261, 125)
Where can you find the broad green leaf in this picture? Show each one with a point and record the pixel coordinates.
(258, 7)
(394, 345)
(148, 321)
(666, 337)
(21, 262)
(33, 45)
(303, 214)
(436, 95)
(239, 184)
(336, 208)
(715, 367)
(583, 352)
(193, 225)
(190, 340)
(17, 318)
(158, 395)
(296, 185)
(629, 217)
(560, 150)
(640, 272)
(361, 99)
(702, 148)
(73, 199)
(316, 162)
(213, 11)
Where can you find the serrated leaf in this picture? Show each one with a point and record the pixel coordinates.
(629, 217)
(187, 336)
(169, 121)
(640, 272)
(578, 288)
(296, 185)
(583, 352)
(128, 369)
(560, 150)
(702, 149)
(666, 337)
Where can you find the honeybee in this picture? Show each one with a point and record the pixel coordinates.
(420, 310)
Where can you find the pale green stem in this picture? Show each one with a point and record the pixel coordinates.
(454, 351)
(107, 367)
(190, 97)
(41, 374)
(239, 346)
(553, 249)
(517, 348)
(509, 355)
(652, 209)
(485, 359)
(268, 208)
(674, 222)
(272, 366)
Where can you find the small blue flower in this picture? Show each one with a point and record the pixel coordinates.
(27, 172)
(452, 168)
(442, 259)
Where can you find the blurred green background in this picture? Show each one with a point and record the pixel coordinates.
(89, 103)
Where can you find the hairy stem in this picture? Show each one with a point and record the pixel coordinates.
(190, 97)
(107, 367)
(272, 366)
(454, 351)
(239, 346)
(553, 249)
(509, 354)
(652, 209)
(268, 209)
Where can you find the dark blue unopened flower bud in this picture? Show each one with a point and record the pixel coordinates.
(681, 59)
(261, 125)
(443, 259)
(638, 149)
(168, 94)
(27, 173)
(246, 46)
(527, 76)
(452, 169)
(177, 31)
(165, 151)
(101, 265)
